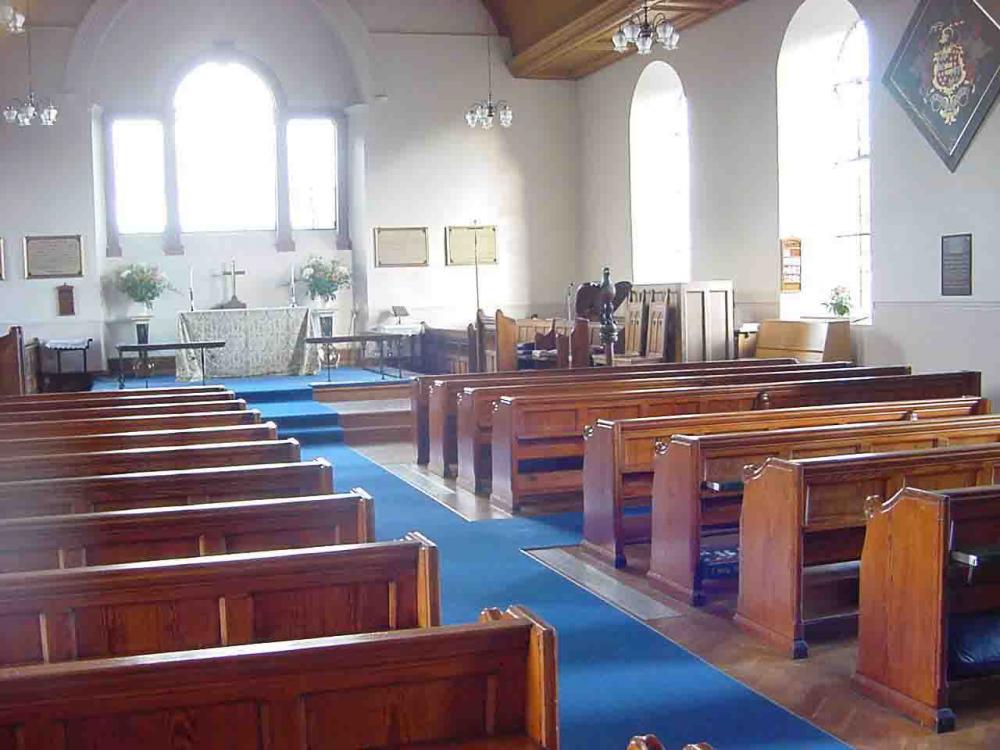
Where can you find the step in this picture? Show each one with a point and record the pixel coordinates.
(290, 421)
(377, 435)
(386, 389)
(314, 435)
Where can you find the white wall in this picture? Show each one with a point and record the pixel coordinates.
(728, 69)
(421, 164)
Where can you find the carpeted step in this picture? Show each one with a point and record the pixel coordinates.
(313, 435)
(271, 396)
(294, 421)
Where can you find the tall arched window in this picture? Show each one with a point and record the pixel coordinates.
(226, 149)
(824, 155)
(660, 180)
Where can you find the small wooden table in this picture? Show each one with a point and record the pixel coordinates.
(143, 351)
(381, 339)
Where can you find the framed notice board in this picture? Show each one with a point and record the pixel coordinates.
(956, 265)
(463, 244)
(55, 257)
(400, 246)
(791, 265)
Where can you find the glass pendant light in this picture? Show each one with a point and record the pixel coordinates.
(486, 113)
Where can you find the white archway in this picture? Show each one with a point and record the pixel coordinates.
(660, 185)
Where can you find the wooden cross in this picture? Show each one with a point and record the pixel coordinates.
(234, 301)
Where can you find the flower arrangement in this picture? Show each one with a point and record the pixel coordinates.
(840, 301)
(325, 278)
(141, 282)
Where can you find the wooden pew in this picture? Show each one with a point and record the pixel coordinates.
(149, 459)
(68, 406)
(101, 412)
(474, 405)
(126, 536)
(422, 386)
(928, 571)
(78, 427)
(539, 427)
(811, 512)
(697, 490)
(219, 600)
(488, 686)
(26, 447)
(12, 381)
(111, 395)
(47, 497)
(619, 456)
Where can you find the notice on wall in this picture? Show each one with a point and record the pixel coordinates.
(53, 257)
(400, 246)
(472, 245)
(956, 265)
(791, 265)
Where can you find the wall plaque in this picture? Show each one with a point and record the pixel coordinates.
(956, 265)
(56, 257)
(66, 300)
(400, 246)
(791, 265)
(463, 243)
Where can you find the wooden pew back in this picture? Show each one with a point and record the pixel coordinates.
(126, 536)
(344, 691)
(141, 410)
(161, 458)
(83, 426)
(46, 497)
(656, 331)
(85, 401)
(619, 455)
(110, 395)
(911, 586)
(698, 485)
(223, 600)
(808, 512)
(26, 447)
(12, 362)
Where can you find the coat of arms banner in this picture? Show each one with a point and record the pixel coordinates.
(946, 72)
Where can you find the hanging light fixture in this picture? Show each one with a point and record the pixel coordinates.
(10, 20)
(485, 114)
(24, 112)
(643, 33)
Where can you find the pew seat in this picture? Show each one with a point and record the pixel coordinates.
(929, 614)
(486, 686)
(222, 600)
(125, 536)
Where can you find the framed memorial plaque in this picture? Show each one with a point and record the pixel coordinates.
(400, 246)
(956, 265)
(56, 257)
(464, 244)
(791, 265)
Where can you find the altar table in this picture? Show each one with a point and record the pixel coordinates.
(259, 341)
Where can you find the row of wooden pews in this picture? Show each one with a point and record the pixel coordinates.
(809, 484)
(173, 574)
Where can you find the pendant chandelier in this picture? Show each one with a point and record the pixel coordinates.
(27, 111)
(485, 114)
(10, 20)
(642, 32)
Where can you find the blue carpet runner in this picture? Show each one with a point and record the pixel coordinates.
(617, 677)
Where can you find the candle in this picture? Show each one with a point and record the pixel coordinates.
(191, 286)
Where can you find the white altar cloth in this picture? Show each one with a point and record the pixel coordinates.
(259, 341)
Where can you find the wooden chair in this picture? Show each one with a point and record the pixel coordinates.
(481, 686)
(930, 605)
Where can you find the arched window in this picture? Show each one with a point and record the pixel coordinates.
(824, 155)
(225, 131)
(660, 180)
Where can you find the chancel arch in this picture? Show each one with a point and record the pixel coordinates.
(824, 155)
(659, 174)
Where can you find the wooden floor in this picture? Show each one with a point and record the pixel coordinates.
(818, 688)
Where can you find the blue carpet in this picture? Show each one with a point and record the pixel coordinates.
(617, 677)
